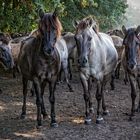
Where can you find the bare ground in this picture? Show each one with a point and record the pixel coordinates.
(70, 107)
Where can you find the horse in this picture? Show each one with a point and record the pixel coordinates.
(117, 32)
(97, 59)
(72, 50)
(5, 56)
(118, 41)
(131, 62)
(40, 60)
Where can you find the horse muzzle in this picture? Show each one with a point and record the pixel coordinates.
(83, 62)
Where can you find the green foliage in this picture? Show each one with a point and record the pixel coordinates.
(21, 15)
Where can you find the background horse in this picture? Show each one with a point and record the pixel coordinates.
(131, 62)
(5, 54)
(40, 61)
(72, 50)
(118, 43)
(97, 59)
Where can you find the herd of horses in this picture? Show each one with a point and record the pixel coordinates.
(45, 53)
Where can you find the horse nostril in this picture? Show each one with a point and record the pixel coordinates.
(84, 61)
(49, 51)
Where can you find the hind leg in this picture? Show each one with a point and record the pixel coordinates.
(65, 69)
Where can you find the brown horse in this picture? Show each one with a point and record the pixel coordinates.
(131, 62)
(40, 61)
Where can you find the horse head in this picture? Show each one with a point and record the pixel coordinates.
(50, 29)
(84, 38)
(132, 46)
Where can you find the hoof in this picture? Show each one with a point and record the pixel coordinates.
(99, 120)
(88, 121)
(106, 112)
(22, 116)
(54, 125)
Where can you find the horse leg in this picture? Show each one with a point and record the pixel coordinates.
(32, 90)
(24, 82)
(69, 69)
(43, 110)
(14, 71)
(105, 111)
(36, 84)
(112, 81)
(132, 80)
(117, 70)
(98, 98)
(91, 110)
(65, 69)
(125, 77)
(86, 98)
(138, 81)
(52, 86)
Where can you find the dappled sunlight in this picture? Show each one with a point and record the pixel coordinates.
(78, 120)
(21, 103)
(2, 108)
(29, 134)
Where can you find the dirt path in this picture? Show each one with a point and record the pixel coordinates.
(69, 112)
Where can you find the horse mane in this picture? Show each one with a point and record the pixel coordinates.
(53, 21)
(35, 33)
(88, 22)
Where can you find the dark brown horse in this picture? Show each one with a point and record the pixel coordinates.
(40, 61)
(131, 62)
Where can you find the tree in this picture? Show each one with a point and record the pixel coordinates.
(21, 15)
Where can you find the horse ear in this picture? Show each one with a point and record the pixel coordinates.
(124, 29)
(41, 13)
(75, 23)
(55, 13)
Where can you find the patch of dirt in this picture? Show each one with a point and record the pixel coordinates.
(70, 107)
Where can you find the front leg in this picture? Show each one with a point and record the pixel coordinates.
(132, 80)
(24, 82)
(37, 87)
(88, 103)
(52, 86)
(99, 98)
